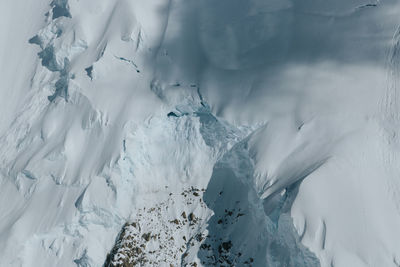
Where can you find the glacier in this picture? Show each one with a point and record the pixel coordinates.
(199, 133)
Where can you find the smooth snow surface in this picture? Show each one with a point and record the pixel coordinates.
(204, 132)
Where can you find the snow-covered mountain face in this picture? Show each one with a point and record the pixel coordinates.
(199, 133)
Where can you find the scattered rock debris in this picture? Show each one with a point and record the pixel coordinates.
(152, 238)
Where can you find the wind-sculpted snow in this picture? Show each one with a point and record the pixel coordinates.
(199, 133)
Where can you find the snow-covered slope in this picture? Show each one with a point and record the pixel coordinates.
(199, 133)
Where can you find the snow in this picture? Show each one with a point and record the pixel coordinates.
(282, 117)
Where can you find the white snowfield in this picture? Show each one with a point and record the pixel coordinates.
(214, 132)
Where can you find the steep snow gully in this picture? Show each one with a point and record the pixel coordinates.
(199, 133)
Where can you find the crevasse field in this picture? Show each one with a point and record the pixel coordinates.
(199, 133)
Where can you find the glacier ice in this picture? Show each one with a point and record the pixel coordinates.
(199, 133)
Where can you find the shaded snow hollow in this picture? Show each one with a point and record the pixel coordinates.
(199, 133)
